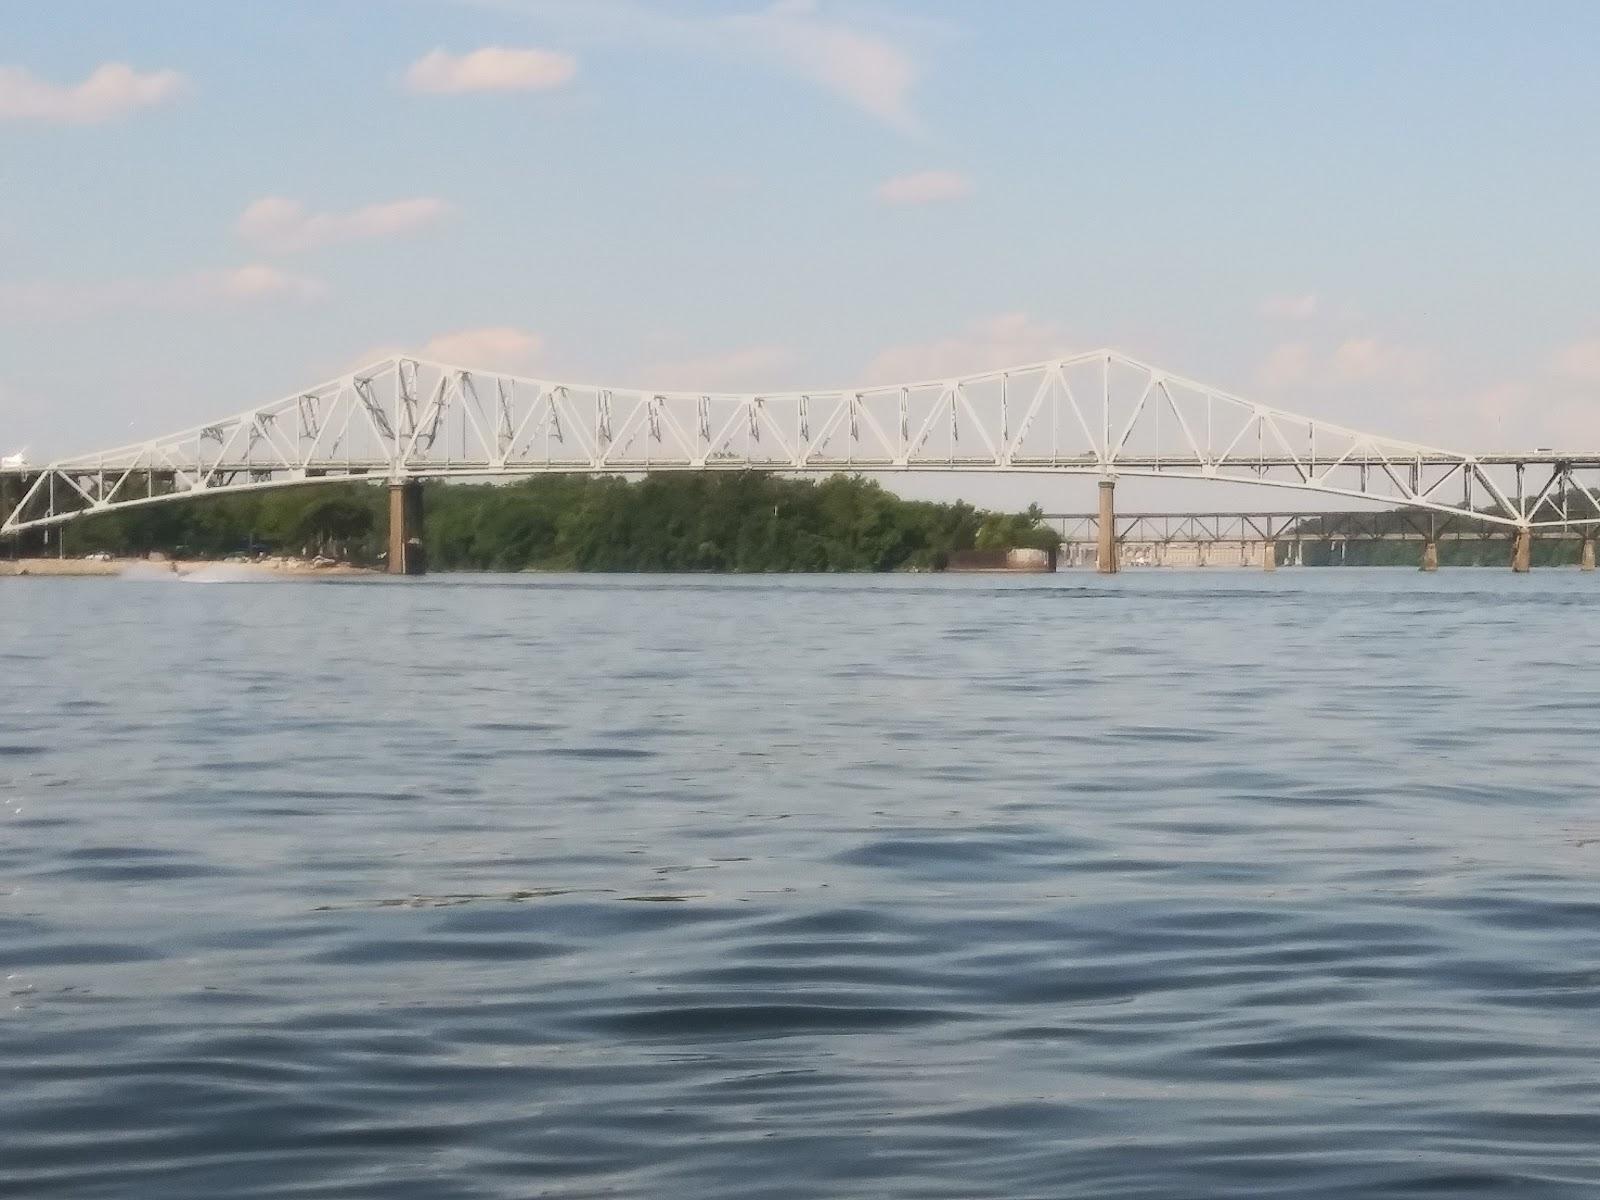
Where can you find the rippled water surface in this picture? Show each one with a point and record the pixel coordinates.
(1170, 885)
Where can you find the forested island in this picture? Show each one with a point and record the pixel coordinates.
(744, 521)
(734, 521)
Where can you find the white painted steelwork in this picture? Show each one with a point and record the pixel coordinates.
(1371, 525)
(1100, 413)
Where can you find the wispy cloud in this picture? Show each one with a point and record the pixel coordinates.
(923, 187)
(745, 369)
(1300, 307)
(859, 65)
(1286, 366)
(259, 281)
(1354, 360)
(283, 226)
(497, 346)
(491, 69)
(111, 90)
(1579, 361)
(1516, 413)
(492, 347)
(1009, 339)
(872, 62)
(251, 283)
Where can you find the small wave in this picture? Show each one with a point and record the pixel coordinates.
(761, 1019)
(226, 573)
(147, 572)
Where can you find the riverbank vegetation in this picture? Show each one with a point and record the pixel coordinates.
(733, 521)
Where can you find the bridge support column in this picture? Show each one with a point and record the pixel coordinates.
(1269, 555)
(405, 529)
(1430, 555)
(1586, 554)
(1106, 548)
(1522, 552)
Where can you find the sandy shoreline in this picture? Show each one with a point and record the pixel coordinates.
(143, 568)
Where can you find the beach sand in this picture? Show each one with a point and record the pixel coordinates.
(148, 569)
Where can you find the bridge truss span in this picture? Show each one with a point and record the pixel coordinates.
(1100, 413)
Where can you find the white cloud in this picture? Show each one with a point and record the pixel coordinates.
(1517, 415)
(111, 90)
(257, 281)
(282, 225)
(858, 65)
(737, 370)
(1290, 308)
(924, 187)
(1355, 360)
(1010, 339)
(247, 284)
(1498, 406)
(491, 69)
(874, 65)
(1285, 366)
(497, 347)
(1558, 406)
(1579, 361)
(491, 348)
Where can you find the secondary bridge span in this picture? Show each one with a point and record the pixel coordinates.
(1102, 413)
(1266, 539)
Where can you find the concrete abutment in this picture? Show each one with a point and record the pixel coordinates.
(1106, 547)
(406, 555)
(1522, 551)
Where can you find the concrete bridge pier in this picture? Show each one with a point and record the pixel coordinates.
(406, 556)
(1430, 555)
(1269, 555)
(1586, 554)
(1105, 560)
(1522, 552)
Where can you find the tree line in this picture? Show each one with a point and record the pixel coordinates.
(714, 521)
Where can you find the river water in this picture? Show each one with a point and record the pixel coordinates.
(1166, 885)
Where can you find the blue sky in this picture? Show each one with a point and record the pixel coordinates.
(1384, 214)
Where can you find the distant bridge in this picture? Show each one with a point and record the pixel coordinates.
(1268, 538)
(1104, 414)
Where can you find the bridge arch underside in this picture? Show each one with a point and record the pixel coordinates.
(1099, 414)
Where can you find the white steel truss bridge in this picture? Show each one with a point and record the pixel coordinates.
(1101, 413)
